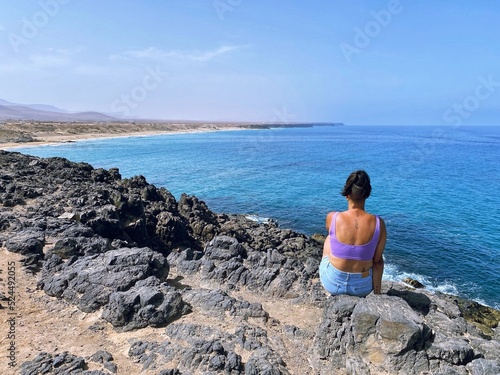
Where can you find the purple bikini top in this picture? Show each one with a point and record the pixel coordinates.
(353, 252)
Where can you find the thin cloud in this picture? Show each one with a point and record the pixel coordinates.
(212, 54)
(153, 53)
(2, 28)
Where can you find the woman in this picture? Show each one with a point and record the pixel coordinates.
(352, 260)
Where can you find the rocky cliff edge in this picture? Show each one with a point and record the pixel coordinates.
(117, 276)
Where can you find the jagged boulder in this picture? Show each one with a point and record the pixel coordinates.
(383, 333)
(224, 248)
(203, 222)
(78, 240)
(201, 349)
(28, 241)
(148, 303)
(65, 363)
(170, 229)
(483, 366)
(59, 364)
(228, 263)
(218, 303)
(89, 281)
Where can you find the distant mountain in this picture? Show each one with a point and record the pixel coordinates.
(44, 112)
(5, 102)
(41, 107)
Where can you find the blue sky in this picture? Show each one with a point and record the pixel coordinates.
(353, 61)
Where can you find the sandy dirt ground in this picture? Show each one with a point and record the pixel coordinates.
(22, 134)
(46, 324)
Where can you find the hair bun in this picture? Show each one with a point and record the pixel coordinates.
(357, 185)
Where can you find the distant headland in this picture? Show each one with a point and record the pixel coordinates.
(30, 132)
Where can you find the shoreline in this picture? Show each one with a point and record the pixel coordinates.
(101, 131)
(57, 140)
(20, 134)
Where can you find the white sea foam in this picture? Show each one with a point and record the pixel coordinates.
(392, 273)
(258, 219)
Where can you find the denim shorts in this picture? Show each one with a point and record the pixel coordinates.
(338, 282)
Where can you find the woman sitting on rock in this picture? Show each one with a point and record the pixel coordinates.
(352, 260)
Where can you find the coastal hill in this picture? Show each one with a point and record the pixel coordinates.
(34, 114)
(104, 275)
(42, 112)
(41, 123)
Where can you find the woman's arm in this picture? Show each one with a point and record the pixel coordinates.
(378, 259)
(329, 220)
(326, 245)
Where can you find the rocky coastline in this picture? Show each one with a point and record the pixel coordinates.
(164, 286)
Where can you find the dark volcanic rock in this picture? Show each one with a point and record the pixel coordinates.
(482, 315)
(78, 240)
(201, 356)
(224, 248)
(26, 242)
(106, 359)
(201, 349)
(226, 262)
(58, 364)
(265, 361)
(129, 210)
(384, 333)
(89, 281)
(148, 303)
(414, 283)
(66, 363)
(218, 303)
(203, 222)
(109, 243)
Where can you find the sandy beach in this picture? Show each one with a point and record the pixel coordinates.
(26, 133)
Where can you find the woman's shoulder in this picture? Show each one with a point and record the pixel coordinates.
(329, 219)
(330, 214)
(381, 221)
(378, 217)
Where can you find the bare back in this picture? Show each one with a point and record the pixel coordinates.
(354, 227)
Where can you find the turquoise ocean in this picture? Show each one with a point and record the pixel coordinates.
(437, 188)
